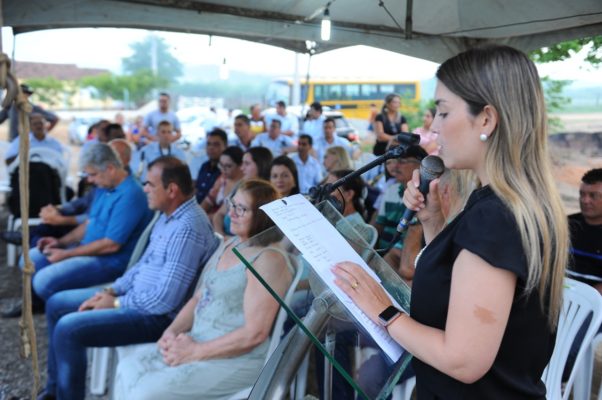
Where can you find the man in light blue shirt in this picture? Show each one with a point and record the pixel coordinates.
(140, 305)
(330, 139)
(164, 146)
(38, 138)
(274, 140)
(314, 125)
(152, 120)
(308, 168)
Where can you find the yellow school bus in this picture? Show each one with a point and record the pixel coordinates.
(352, 97)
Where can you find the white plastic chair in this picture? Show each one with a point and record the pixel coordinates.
(580, 300)
(277, 328)
(101, 356)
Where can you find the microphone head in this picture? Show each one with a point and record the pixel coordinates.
(407, 139)
(431, 167)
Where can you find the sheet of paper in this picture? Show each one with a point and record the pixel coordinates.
(323, 246)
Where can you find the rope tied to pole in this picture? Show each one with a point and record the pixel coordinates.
(26, 325)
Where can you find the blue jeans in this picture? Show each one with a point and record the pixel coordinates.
(70, 332)
(71, 273)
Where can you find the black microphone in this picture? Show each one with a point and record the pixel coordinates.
(431, 167)
(407, 139)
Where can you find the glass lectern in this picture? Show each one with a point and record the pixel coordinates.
(317, 319)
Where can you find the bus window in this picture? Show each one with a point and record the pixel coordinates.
(335, 92)
(352, 92)
(406, 91)
(370, 91)
(385, 89)
(319, 94)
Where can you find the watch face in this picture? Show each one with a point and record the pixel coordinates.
(389, 313)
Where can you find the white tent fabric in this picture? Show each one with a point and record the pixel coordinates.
(429, 29)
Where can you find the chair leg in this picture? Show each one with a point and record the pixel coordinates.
(582, 386)
(299, 385)
(98, 372)
(11, 249)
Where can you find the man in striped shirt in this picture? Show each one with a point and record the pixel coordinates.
(142, 303)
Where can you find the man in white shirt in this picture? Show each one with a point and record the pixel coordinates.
(38, 137)
(308, 168)
(330, 139)
(274, 140)
(314, 124)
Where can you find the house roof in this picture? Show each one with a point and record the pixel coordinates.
(27, 70)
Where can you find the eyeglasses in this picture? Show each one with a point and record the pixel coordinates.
(402, 161)
(238, 209)
(225, 166)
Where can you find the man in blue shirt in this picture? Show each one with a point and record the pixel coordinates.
(151, 121)
(137, 307)
(217, 141)
(278, 143)
(330, 139)
(98, 250)
(164, 146)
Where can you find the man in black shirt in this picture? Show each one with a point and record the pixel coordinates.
(586, 231)
(217, 141)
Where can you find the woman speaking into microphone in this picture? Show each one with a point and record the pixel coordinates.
(487, 291)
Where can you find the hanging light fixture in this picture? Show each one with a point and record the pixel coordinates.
(325, 31)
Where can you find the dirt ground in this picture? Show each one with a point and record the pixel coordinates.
(572, 154)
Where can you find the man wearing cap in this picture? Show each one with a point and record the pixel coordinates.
(11, 113)
(37, 138)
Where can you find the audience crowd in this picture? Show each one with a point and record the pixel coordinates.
(172, 278)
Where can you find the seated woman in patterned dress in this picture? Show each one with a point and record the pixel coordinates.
(217, 344)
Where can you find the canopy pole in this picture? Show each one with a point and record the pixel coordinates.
(409, 11)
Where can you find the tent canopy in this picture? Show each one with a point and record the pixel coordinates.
(428, 29)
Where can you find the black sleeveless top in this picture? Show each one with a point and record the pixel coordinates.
(486, 228)
(390, 128)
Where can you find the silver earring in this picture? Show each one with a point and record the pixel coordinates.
(483, 137)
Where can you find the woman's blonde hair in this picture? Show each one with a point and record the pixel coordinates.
(343, 159)
(517, 160)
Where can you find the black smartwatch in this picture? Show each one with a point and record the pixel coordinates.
(389, 315)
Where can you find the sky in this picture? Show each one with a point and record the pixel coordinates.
(105, 47)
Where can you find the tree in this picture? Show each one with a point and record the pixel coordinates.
(168, 67)
(553, 89)
(137, 86)
(49, 90)
(565, 50)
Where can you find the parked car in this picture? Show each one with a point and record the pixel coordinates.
(78, 129)
(193, 131)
